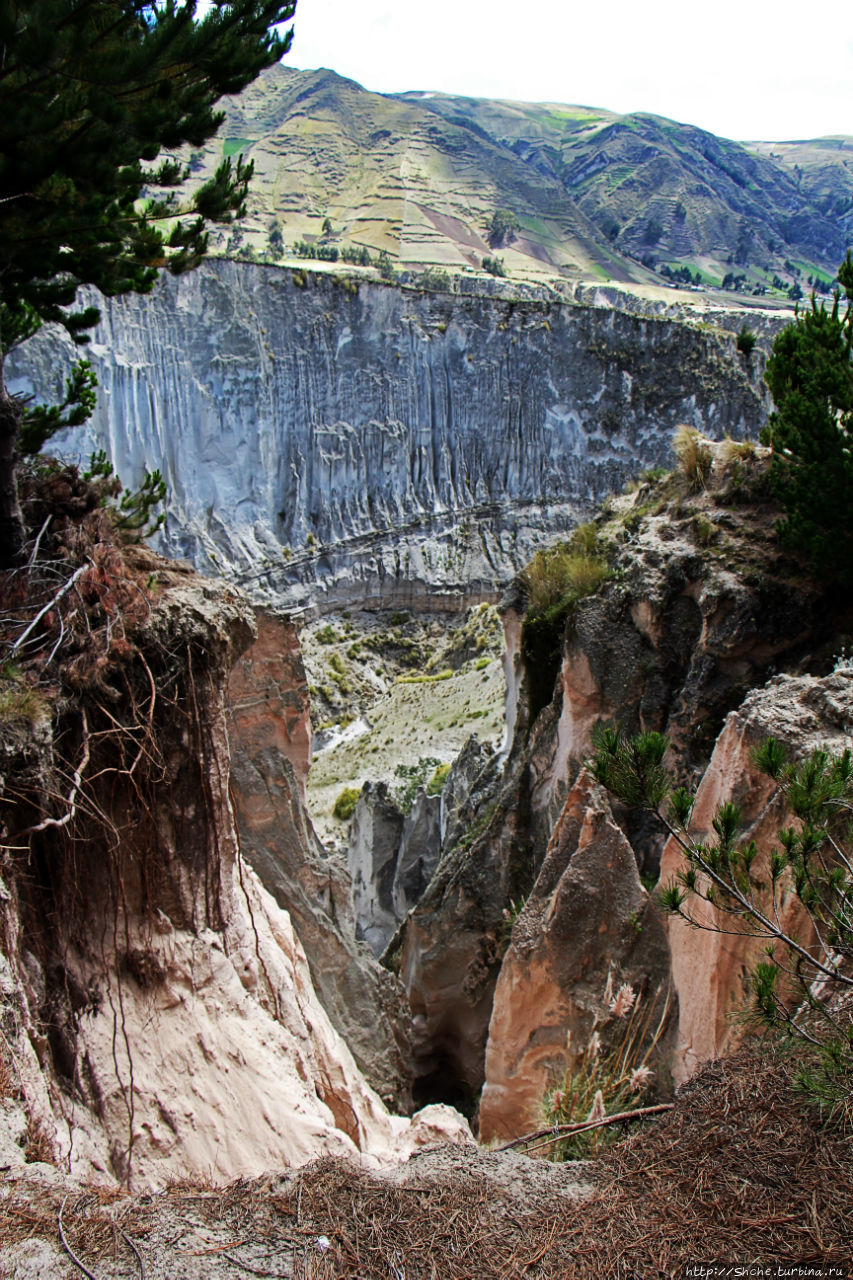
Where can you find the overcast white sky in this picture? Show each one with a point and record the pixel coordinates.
(745, 69)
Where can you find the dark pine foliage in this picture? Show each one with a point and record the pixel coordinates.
(810, 375)
(92, 94)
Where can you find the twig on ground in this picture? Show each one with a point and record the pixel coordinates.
(67, 1247)
(126, 1238)
(582, 1126)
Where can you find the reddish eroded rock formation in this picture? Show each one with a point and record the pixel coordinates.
(270, 735)
(159, 1016)
(269, 710)
(702, 605)
(588, 919)
(710, 970)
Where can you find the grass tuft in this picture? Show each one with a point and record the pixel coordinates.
(694, 456)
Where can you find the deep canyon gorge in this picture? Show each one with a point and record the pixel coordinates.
(372, 467)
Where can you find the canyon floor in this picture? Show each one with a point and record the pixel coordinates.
(739, 1172)
(396, 692)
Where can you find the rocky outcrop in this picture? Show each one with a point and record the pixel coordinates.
(702, 605)
(269, 709)
(376, 829)
(391, 858)
(329, 444)
(269, 731)
(710, 969)
(587, 924)
(158, 1012)
(419, 852)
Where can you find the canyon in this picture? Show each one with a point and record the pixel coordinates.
(230, 992)
(334, 441)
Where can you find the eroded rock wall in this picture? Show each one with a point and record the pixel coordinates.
(327, 443)
(587, 927)
(163, 1023)
(269, 731)
(710, 969)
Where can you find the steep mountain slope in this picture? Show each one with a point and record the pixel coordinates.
(391, 175)
(670, 193)
(823, 171)
(594, 194)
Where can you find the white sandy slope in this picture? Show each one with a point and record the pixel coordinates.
(236, 1069)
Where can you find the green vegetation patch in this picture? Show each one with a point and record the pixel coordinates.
(435, 786)
(442, 675)
(233, 145)
(414, 777)
(555, 582)
(344, 806)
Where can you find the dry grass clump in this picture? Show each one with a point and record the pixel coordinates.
(694, 457)
(610, 1072)
(562, 574)
(21, 704)
(732, 451)
(39, 1146)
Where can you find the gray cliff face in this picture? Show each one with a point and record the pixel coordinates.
(332, 442)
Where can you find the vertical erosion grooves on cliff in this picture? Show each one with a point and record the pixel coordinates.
(110, 819)
(331, 441)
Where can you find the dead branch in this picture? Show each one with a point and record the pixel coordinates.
(63, 590)
(35, 550)
(71, 799)
(582, 1126)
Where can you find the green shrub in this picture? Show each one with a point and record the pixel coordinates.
(386, 266)
(441, 675)
(435, 786)
(434, 278)
(704, 529)
(357, 256)
(344, 806)
(414, 776)
(555, 581)
(746, 341)
(502, 227)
